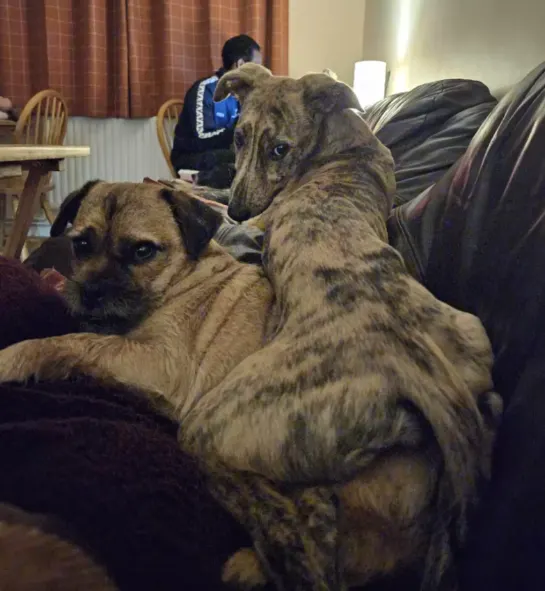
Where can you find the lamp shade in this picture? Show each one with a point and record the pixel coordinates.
(369, 81)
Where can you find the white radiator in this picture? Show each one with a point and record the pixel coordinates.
(121, 150)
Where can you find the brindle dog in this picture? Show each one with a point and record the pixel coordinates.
(370, 387)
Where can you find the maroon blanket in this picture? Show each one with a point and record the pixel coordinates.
(105, 463)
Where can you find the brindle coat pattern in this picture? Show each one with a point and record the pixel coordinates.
(369, 386)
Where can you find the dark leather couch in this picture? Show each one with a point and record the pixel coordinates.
(428, 129)
(476, 239)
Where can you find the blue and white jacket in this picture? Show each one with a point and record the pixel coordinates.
(204, 124)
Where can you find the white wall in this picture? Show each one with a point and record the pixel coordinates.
(326, 34)
(495, 41)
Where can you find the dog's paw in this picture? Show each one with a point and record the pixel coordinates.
(491, 407)
(243, 570)
(16, 362)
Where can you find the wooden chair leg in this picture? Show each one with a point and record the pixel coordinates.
(14, 206)
(49, 214)
(47, 209)
(29, 201)
(2, 221)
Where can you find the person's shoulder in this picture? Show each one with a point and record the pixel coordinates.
(202, 83)
(207, 81)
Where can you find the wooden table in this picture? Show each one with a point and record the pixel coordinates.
(39, 161)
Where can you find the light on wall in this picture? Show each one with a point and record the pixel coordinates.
(369, 81)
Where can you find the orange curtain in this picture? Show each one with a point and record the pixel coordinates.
(124, 58)
(172, 43)
(78, 47)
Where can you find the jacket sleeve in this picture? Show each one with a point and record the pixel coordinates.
(196, 131)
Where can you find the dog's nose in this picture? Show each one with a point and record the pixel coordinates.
(92, 295)
(237, 212)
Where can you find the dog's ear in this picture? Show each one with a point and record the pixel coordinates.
(347, 129)
(330, 73)
(322, 93)
(69, 209)
(197, 221)
(241, 82)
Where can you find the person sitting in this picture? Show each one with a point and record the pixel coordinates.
(204, 133)
(7, 111)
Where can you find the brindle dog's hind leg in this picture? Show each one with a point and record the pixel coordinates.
(464, 342)
(295, 534)
(244, 571)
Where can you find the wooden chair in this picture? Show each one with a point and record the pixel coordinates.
(43, 121)
(167, 117)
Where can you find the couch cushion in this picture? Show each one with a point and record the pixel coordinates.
(476, 236)
(477, 240)
(428, 129)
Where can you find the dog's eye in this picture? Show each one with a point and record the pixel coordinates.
(144, 251)
(82, 247)
(279, 151)
(239, 139)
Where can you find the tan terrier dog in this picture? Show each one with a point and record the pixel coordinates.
(168, 312)
(35, 555)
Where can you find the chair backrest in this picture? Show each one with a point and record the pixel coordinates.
(43, 120)
(167, 117)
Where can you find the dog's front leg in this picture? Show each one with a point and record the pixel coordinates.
(106, 358)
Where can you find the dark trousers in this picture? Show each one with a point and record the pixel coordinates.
(203, 160)
(216, 167)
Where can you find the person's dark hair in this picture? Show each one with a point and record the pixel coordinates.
(236, 48)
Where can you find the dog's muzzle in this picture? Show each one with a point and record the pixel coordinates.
(239, 213)
(237, 209)
(92, 295)
(108, 307)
